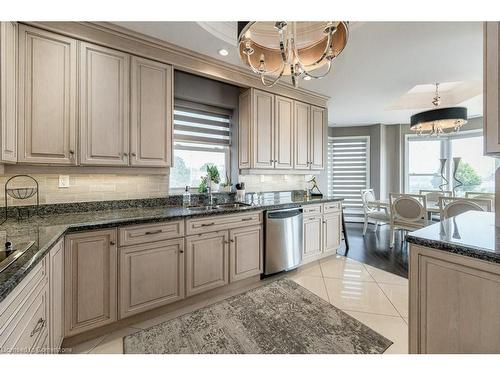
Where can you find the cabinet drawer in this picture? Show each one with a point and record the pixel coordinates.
(31, 327)
(332, 207)
(21, 296)
(215, 223)
(139, 234)
(312, 209)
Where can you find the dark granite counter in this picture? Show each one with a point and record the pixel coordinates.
(48, 230)
(472, 234)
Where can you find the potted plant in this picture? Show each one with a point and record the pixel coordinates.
(212, 179)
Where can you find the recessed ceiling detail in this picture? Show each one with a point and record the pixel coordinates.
(225, 31)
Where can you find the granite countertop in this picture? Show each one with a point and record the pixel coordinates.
(472, 234)
(46, 231)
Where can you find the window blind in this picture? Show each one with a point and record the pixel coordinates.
(348, 169)
(199, 123)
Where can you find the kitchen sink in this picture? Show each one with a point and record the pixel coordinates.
(217, 207)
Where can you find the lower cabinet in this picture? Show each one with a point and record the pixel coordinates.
(90, 281)
(206, 261)
(332, 227)
(245, 252)
(312, 236)
(56, 287)
(151, 275)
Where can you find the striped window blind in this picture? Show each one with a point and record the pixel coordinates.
(198, 123)
(348, 169)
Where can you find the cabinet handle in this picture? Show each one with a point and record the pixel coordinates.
(207, 225)
(125, 154)
(38, 327)
(247, 219)
(133, 154)
(112, 243)
(271, 161)
(232, 240)
(153, 232)
(71, 154)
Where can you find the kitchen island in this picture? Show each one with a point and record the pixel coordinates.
(454, 281)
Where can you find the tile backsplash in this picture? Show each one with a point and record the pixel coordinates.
(105, 187)
(91, 187)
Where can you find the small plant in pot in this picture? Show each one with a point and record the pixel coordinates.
(212, 179)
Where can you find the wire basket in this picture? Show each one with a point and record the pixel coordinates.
(22, 193)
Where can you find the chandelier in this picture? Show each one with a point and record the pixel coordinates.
(296, 49)
(438, 121)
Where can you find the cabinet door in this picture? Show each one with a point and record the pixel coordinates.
(104, 106)
(47, 97)
(151, 275)
(491, 85)
(245, 252)
(206, 262)
(151, 113)
(56, 286)
(283, 133)
(331, 232)
(302, 120)
(312, 236)
(244, 131)
(90, 282)
(8, 87)
(263, 125)
(317, 143)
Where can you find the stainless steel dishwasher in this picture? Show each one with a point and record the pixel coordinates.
(283, 232)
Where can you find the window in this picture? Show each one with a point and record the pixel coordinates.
(202, 134)
(348, 169)
(476, 171)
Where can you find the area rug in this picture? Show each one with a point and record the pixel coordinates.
(279, 318)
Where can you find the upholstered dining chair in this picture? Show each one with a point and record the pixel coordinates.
(450, 207)
(432, 197)
(408, 212)
(376, 214)
(482, 195)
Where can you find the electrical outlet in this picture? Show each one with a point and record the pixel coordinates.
(63, 181)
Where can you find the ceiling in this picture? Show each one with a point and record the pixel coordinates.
(380, 66)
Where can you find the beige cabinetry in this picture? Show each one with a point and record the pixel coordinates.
(312, 236)
(454, 303)
(207, 262)
(151, 275)
(90, 282)
(491, 83)
(276, 132)
(24, 314)
(47, 97)
(8, 90)
(151, 113)
(245, 252)
(56, 291)
(104, 106)
(322, 230)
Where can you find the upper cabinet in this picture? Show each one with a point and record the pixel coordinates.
(279, 133)
(104, 106)
(151, 114)
(491, 96)
(8, 87)
(47, 97)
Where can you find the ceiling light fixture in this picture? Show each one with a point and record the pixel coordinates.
(223, 52)
(296, 49)
(439, 121)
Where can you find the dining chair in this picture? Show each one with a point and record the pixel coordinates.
(450, 207)
(432, 197)
(371, 211)
(408, 212)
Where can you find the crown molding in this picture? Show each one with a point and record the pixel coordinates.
(120, 38)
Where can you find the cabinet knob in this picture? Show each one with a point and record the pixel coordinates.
(133, 154)
(112, 243)
(232, 240)
(125, 154)
(181, 251)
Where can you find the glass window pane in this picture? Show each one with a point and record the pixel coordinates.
(427, 182)
(475, 171)
(424, 156)
(189, 166)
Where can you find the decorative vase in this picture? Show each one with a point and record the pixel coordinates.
(456, 163)
(446, 182)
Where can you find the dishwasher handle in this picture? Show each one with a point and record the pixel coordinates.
(284, 214)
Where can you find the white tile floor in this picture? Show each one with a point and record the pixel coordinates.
(376, 298)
